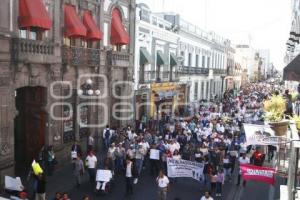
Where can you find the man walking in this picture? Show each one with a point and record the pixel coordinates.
(130, 174)
(78, 170)
(163, 186)
(242, 160)
(91, 163)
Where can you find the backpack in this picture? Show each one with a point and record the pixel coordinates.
(107, 133)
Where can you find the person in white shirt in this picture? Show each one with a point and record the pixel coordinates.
(91, 164)
(130, 174)
(91, 142)
(163, 185)
(243, 160)
(206, 196)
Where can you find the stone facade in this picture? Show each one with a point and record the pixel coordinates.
(46, 67)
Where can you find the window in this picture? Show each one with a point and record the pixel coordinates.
(183, 57)
(197, 60)
(213, 61)
(207, 90)
(202, 90)
(23, 33)
(208, 62)
(196, 91)
(190, 60)
(32, 34)
(69, 41)
(203, 61)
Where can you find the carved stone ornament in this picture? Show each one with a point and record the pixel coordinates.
(5, 145)
(54, 72)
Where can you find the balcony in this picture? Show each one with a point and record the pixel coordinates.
(151, 77)
(32, 51)
(80, 56)
(193, 70)
(220, 71)
(118, 59)
(147, 76)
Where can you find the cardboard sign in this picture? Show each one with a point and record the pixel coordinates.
(13, 184)
(74, 154)
(154, 154)
(103, 175)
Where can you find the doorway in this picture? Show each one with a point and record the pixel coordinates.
(30, 126)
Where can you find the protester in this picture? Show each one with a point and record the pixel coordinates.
(206, 196)
(163, 186)
(78, 170)
(243, 160)
(91, 164)
(41, 188)
(130, 175)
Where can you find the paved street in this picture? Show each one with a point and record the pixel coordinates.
(184, 188)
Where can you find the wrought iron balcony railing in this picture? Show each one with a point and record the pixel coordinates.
(193, 70)
(80, 56)
(118, 59)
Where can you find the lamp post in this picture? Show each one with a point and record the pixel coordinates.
(157, 102)
(86, 89)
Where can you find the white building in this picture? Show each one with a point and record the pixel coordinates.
(266, 66)
(204, 59)
(155, 61)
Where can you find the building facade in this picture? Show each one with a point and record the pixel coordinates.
(65, 65)
(156, 66)
(203, 56)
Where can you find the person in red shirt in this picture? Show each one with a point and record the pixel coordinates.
(258, 157)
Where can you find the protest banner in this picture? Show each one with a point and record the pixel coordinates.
(184, 168)
(103, 175)
(256, 134)
(257, 173)
(154, 154)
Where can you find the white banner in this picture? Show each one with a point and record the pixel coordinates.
(184, 168)
(255, 134)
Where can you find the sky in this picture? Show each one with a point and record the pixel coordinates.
(264, 24)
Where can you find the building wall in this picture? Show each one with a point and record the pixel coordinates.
(44, 70)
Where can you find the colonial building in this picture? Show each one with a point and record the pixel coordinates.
(63, 67)
(204, 58)
(156, 67)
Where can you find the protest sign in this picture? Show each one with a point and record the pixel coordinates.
(13, 184)
(184, 168)
(103, 175)
(256, 134)
(257, 173)
(36, 168)
(74, 154)
(154, 154)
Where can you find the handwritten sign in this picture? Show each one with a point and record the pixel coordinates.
(103, 175)
(13, 184)
(154, 154)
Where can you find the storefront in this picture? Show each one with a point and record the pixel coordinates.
(172, 96)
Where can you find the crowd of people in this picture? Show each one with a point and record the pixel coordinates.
(213, 136)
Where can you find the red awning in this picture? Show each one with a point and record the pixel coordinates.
(73, 25)
(93, 32)
(33, 13)
(118, 33)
